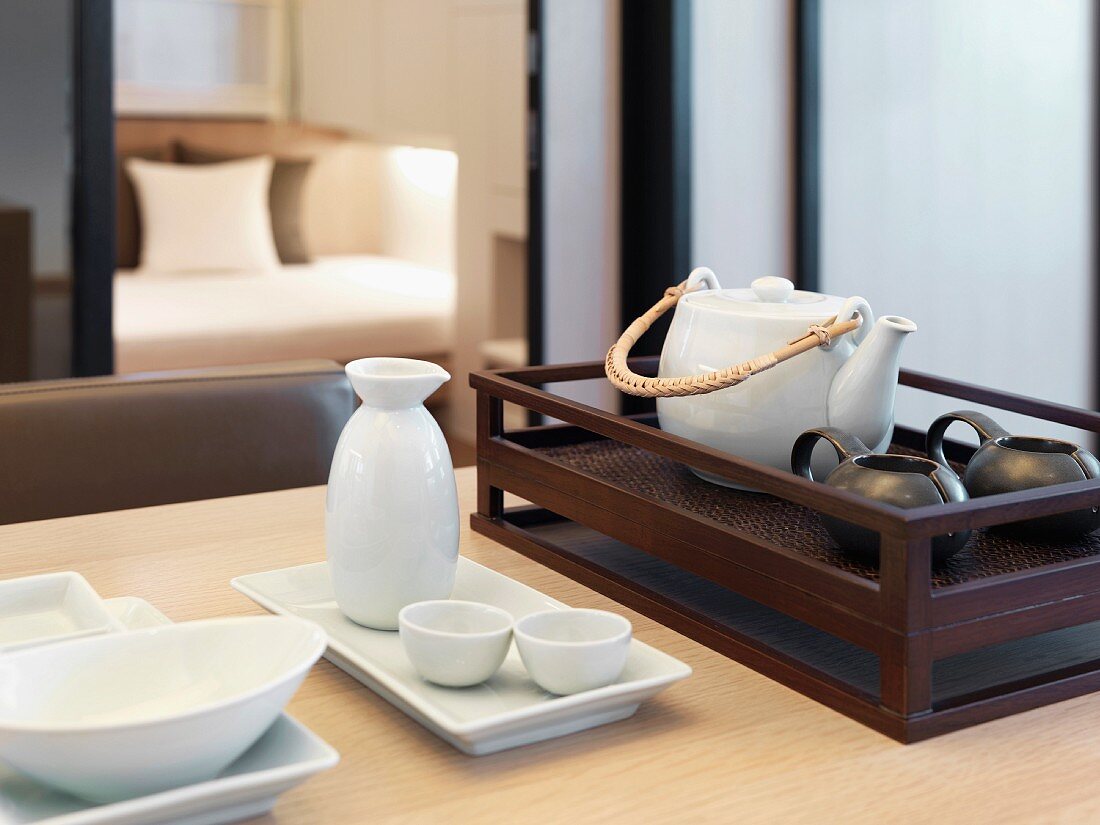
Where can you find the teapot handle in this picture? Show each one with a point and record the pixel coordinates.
(854, 306)
(986, 428)
(624, 378)
(845, 444)
(702, 275)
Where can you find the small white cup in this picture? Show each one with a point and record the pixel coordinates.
(569, 651)
(455, 643)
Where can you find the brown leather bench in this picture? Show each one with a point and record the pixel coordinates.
(87, 445)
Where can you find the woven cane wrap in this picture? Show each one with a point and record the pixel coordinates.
(632, 383)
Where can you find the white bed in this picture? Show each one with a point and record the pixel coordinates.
(338, 307)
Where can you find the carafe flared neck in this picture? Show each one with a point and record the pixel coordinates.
(395, 383)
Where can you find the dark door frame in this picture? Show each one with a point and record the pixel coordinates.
(1094, 203)
(655, 219)
(807, 143)
(656, 162)
(535, 339)
(93, 188)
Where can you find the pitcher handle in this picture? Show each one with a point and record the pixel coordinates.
(845, 444)
(986, 428)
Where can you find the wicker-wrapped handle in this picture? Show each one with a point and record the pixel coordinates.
(633, 384)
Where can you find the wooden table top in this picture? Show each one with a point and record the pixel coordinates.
(725, 745)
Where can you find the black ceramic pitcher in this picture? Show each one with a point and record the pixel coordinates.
(1004, 463)
(901, 480)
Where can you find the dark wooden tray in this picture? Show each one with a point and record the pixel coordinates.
(913, 652)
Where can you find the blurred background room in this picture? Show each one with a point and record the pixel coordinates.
(492, 183)
(367, 240)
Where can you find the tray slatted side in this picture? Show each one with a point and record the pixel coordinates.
(791, 525)
(956, 679)
(993, 680)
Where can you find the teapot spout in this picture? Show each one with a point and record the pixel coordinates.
(861, 398)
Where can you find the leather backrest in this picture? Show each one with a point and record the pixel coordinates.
(88, 445)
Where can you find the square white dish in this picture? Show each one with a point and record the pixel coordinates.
(284, 757)
(507, 711)
(52, 607)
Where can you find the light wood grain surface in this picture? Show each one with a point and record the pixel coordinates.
(727, 745)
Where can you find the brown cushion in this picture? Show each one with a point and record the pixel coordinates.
(128, 216)
(285, 198)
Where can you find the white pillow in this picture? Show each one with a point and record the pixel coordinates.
(212, 216)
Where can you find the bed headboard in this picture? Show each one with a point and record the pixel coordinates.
(355, 201)
(232, 136)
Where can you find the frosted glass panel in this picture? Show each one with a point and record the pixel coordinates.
(35, 129)
(36, 178)
(741, 139)
(955, 187)
(217, 56)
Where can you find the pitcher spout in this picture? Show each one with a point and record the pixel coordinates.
(861, 398)
(394, 383)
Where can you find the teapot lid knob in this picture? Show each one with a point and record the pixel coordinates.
(772, 290)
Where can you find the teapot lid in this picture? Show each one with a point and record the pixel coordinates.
(769, 296)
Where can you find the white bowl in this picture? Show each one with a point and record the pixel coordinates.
(52, 607)
(569, 651)
(455, 643)
(129, 714)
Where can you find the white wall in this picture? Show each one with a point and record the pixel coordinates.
(487, 101)
(741, 139)
(336, 40)
(418, 190)
(956, 177)
(383, 69)
(434, 74)
(35, 140)
(581, 187)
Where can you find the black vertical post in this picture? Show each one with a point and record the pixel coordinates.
(535, 343)
(656, 161)
(93, 187)
(807, 32)
(1094, 126)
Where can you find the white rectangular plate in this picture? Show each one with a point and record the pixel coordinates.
(507, 711)
(51, 607)
(285, 756)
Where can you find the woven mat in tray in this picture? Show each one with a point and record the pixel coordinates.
(791, 525)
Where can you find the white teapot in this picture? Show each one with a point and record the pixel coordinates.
(849, 383)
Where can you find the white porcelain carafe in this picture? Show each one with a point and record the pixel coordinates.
(391, 512)
(848, 384)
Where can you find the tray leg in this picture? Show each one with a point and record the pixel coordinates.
(905, 658)
(490, 425)
(490, 500)
(905, 673)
